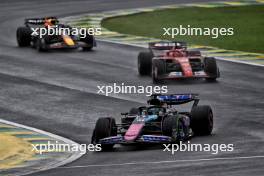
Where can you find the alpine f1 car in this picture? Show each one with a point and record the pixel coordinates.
(172, 60)
(30, 35)
(158, 122)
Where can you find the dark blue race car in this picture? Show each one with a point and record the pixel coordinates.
(158, 122)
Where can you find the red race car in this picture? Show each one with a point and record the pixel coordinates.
(172, 60)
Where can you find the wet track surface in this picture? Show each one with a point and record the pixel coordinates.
(56, 92)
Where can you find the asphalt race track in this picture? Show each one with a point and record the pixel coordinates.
(56, 92)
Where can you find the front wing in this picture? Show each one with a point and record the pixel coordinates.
(141, 139)
(179, 75)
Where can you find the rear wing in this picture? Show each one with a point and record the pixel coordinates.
(40, 21)
(163, 45)
(173, 99)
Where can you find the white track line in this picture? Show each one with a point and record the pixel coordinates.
(72, 158)
(162, 162)
(240, 62)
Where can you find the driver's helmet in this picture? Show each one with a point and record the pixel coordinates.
(180, 46)
(164, 105)
(144, 112)
(50, 22)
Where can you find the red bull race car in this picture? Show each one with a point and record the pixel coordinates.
(172, 60)
(158, 122)
(47, 33)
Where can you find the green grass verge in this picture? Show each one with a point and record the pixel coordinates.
(247, 21)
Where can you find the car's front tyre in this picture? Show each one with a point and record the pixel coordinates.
(105, 127)
(89, 40)
(144, 63)
(211, 69)
(202, 120)
(158, 69)
(23, 35)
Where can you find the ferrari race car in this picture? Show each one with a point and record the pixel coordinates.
(158, 122)
(30, 35)
(172, 60)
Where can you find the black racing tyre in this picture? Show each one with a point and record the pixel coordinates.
(105, 127)
(41, 45)
(23, 35)
(144, 63)
(202, 120)
(89, 40)
(158, 69)
(210, 67)
(87, 48)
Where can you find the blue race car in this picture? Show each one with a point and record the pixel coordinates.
(158, 122)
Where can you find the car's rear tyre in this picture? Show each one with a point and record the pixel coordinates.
(144, 63)
(41, 45)
(202, 120)
(89, 40)
(23, 36)
(158, 69)
(210, 67)
(105, 127)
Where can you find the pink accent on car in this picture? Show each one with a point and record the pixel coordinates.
(133, 131)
